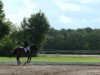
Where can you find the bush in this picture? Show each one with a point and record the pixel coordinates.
(6, 46)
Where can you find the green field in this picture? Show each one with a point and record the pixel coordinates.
(56, 59)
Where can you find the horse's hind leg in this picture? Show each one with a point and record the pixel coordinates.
(18, 61)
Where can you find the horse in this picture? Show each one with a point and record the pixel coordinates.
(20, 52)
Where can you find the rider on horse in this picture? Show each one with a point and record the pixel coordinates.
(26, 47)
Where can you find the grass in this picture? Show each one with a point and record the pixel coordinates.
(66, 59)
(56, 59)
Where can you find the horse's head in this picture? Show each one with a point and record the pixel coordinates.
(34, 50)
(33, 47)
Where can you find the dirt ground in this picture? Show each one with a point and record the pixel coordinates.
(12, 69)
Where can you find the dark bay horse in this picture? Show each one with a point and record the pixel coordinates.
(19, 52)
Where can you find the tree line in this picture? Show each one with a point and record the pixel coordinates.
(71, 39)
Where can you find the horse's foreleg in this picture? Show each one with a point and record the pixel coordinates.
(29, 60)
(26, 62)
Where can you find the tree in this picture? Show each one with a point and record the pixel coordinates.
(36, 27)
(4, 24)
(79, 39)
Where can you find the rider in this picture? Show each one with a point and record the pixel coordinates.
(26, 46)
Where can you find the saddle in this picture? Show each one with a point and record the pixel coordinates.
(25, 49)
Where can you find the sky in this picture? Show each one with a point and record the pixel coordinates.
(66, 14)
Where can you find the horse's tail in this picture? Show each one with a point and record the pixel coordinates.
(13, 53)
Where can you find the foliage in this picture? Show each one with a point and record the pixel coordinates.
(70, 39)
(6, 43)
(4, 24)
(1, 11)
(35, 28)
(6, 46)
